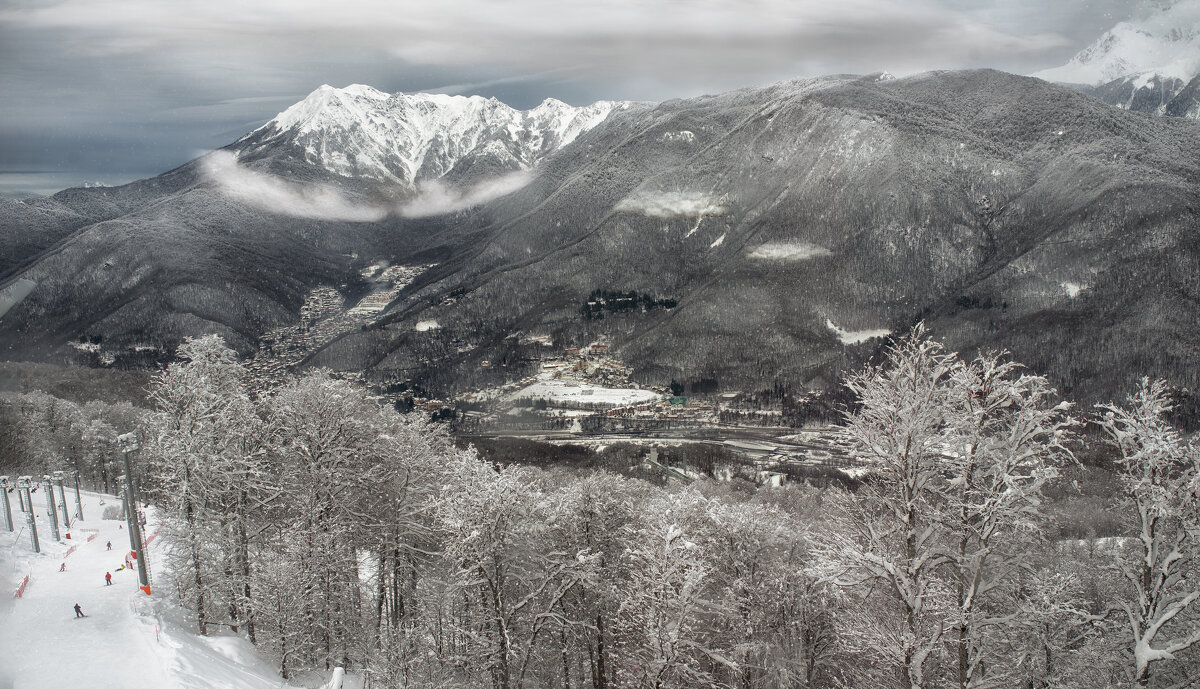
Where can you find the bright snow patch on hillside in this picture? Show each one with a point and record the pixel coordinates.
(717, 242)
(1073, 289)
(852, 337)
(683, 135)
(424, 326)
(564, 392)
(671, 204)
(787, 251)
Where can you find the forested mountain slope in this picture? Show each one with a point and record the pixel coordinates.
(767, 234)
(791, 220)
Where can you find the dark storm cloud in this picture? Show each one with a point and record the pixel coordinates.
(129, 88)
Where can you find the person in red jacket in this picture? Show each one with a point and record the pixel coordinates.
(108, 578)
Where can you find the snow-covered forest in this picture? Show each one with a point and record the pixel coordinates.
(332, 531)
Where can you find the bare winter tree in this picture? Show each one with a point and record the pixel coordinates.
(1005, 440)
(333, 455)
(199, 448)
(665, 610)
(774, 625)
(511, 584)
(595, 514)
(960, 451)
(897, 540)
(1160, 478)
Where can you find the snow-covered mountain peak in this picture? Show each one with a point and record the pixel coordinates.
(406, 138)
(320, 102)
(1163, 41)
(359, 90)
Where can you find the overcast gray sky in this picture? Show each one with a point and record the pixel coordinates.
(115, 90)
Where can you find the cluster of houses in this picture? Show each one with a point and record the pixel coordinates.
(323, 318)
(591, 364)
(673, 408)
(388, 283)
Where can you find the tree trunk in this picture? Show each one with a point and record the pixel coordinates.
(913, 675)
(243, 556)
(381, 594)
(194, 538)
(963, 656)
(233, 590)
(283, 649)
(502, 650)
(104, 473)
(566, 660)
(601, 679)
(592, 664)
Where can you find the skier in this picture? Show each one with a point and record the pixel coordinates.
(79, 611)
(63, 568)
(108, 578)
(109, 545)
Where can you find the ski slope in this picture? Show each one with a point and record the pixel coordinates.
(127, 640)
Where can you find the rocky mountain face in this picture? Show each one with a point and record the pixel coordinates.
(398, 141)
(1153, 94)
(1148, 64)
(772, 236)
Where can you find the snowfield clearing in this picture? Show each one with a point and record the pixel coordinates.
(682, 135)
(671, 204)
(1073, 289)
(851, 337)
(571, 393)
(788, 251)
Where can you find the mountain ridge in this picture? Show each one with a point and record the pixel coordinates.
(1150, 63)
(400, 140)
(787, 225)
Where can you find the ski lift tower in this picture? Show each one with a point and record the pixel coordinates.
(59, 477)
(129, 445)
(78, 500)
(51, 507)
(26, 486)
(5, 487)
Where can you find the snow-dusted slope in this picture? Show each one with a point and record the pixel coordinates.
(402, 139)
(1164, 42)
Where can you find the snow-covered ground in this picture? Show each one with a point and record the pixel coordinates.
(671, 204)
(852, 337)
(127, 639)
(571, 392)
(787, 251)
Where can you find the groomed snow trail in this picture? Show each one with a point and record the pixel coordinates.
(127, 639)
